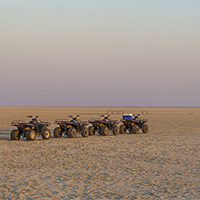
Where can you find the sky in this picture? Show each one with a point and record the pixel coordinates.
(100, 53)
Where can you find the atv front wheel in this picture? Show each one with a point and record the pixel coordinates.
(122, 129)
(104, 131)
(85, 132)
(116, 130)
(30, 135)
(135, 129)
(145, 128)
(57, 132)
(91, 130)
(14, 135)
(72, 133)
(46, 134)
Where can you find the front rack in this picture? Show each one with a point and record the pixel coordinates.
(47, 123)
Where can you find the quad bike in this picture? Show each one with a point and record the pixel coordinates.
(70, 127)
(103, 126)
(30, 130)
(133, 124)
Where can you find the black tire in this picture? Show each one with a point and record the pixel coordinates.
(104, 131)
(30, 135)
(135, 129)
(85, 132)
(14, 135)
(46, 134)
(116, 130)
(122, 129)
(72, 133)
(57, 132)
(91, 130)
(145, 128)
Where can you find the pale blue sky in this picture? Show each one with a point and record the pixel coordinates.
(100, 53)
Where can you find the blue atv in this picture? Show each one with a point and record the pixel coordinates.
(133, 124)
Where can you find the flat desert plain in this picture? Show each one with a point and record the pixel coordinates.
(162, 164)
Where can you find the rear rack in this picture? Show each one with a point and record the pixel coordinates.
(16, 122)
(93, 119)
(58, 121)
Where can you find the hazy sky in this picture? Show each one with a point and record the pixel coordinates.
(100, 53)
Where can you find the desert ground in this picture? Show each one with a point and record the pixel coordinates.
(162, 164)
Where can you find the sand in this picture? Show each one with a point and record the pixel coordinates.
(162, 164)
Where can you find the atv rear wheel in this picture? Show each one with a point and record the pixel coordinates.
(145, 128)
(14, 135)
(46, 134)
(104, 131)
(91, 130)
(72, 133)
(85, 132)
(135, 129)
(30, 135)
(116, 130)
(57, 132)
(122, 129)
